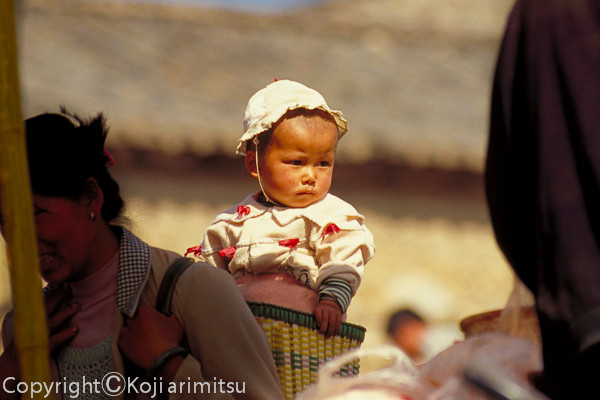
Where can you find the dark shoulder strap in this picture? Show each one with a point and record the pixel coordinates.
(167, 285)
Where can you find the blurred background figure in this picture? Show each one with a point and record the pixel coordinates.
(419, 339)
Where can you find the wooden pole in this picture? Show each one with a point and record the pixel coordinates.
(31, 332)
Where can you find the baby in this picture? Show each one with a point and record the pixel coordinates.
(292, 244)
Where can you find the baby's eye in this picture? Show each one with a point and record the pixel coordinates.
(294, 162)
(324, 164)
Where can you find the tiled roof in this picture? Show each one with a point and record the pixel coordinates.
(178, 78)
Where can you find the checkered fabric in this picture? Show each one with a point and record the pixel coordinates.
(134, 266)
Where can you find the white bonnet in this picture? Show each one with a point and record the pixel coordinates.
(270, 103)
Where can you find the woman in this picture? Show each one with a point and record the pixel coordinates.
(103, 283)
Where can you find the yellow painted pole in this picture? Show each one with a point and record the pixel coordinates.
(31, 337)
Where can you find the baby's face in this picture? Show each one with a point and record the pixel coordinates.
(297, 164)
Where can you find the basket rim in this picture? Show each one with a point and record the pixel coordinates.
(304, 319)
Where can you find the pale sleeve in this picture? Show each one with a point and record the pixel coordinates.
(223, 335)
(342, 248)
(213, 241)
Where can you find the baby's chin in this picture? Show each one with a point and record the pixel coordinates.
(302, 203)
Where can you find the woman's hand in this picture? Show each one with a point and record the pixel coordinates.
(59, 335)
(58, 317)
(329, 316)
(148, 335)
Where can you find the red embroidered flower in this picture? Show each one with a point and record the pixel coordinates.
(196, 251)
(330, 229)
(227, 252)
(243, 210)
(290, 243)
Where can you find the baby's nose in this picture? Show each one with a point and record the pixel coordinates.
(309, 175)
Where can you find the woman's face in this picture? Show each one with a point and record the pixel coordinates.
(64, 237)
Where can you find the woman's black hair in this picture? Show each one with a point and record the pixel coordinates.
(64, 151)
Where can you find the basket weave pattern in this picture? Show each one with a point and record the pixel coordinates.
(299, 348)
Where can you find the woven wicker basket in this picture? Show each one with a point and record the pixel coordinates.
(299, 348)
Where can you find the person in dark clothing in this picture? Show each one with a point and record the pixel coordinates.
(542, 179)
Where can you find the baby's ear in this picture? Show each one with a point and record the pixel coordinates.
(250, 162)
